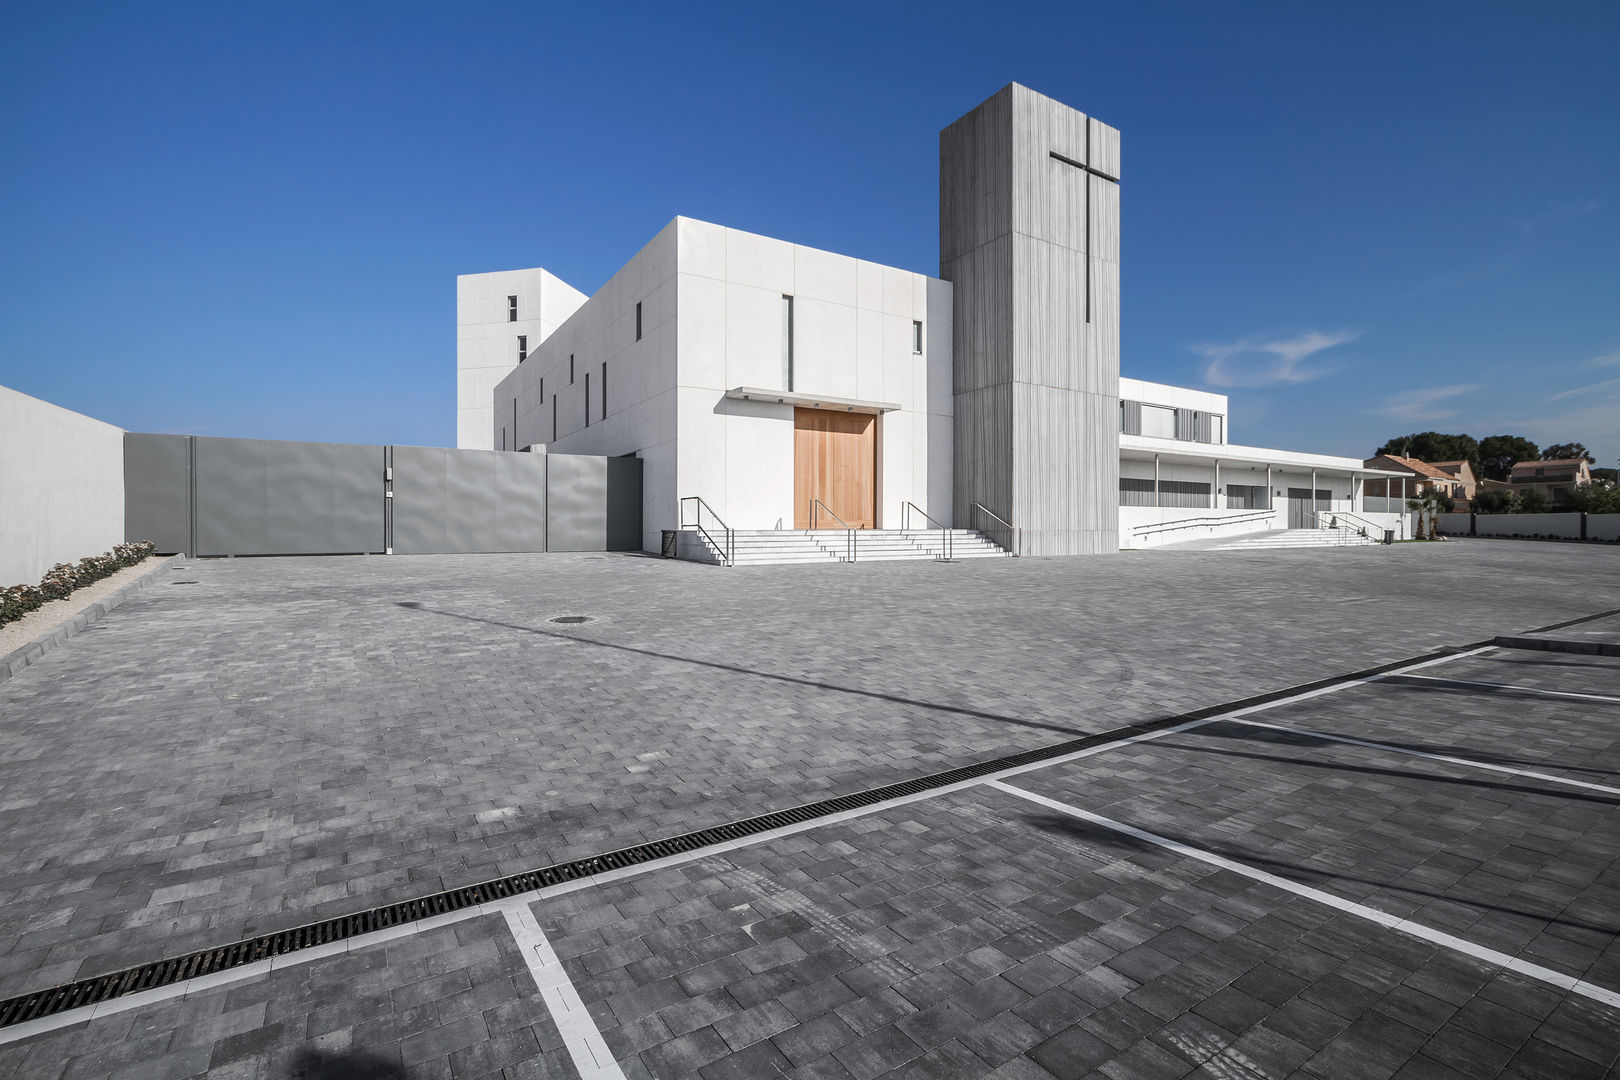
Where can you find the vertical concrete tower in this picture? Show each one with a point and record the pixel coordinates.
(1029, 236)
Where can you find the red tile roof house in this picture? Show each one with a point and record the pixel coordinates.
(1420, 477)
(1463, 472)
(1554, 479)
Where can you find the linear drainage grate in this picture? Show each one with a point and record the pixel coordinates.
(570, 620)
(185, 583)
(100, 988)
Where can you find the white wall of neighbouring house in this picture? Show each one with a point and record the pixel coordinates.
(61, 487)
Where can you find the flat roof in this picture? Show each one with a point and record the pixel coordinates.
(1143, 446)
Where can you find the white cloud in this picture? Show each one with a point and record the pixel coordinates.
(1606, 360)
(1594, 388)
(1585, 414)
(1557, 214)
(1422, 405)
(1252, 362)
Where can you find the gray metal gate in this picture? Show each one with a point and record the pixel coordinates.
(209, 496)
(263, 497)
(467, 500)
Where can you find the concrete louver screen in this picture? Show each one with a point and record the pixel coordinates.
(216, 497)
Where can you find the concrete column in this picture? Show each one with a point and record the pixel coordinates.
(1155, 479)
(1215, 492)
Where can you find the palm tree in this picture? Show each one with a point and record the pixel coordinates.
(1426, 505)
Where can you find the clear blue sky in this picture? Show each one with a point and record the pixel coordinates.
(1358, 219)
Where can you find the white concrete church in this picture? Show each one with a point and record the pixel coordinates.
(784, 398)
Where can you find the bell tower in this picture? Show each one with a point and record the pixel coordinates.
(1029, 237)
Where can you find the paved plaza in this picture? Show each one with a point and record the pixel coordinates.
(1416, 875)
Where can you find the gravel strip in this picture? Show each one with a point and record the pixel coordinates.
(15, 635)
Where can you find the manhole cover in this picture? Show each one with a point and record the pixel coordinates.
(570, 619)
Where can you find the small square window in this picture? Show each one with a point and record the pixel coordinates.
(916, 338)
(511, 309)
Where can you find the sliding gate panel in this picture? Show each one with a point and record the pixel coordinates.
(595, 503)
(463, 501)
(264, 497)
(157, 491)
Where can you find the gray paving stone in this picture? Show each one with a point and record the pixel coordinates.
(381, 734)
(342, 1014)
(400, 750)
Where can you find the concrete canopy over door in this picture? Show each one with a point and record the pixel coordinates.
(835, 461)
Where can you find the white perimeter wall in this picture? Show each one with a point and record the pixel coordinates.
(61, 487)
(852, 339)
(1566, 525)
(486, 339)
(640, 381)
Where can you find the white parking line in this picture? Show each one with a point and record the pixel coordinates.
(1538, 691)
(574, 1022)
(70, 1017)
(1469, 762)
(1393, 922)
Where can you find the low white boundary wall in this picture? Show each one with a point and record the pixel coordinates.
(1566, 526)
(61, 487)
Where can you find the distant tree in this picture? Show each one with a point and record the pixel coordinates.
(1533, 501)
(1565, 450)
(1496, 501)
(1595, 498)
(1432, 446)
(1607, 476)
(1499, 453)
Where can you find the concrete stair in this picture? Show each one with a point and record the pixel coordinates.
(1294, 538)
(758, 546)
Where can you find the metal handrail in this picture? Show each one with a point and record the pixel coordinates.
(907, 508)
(728, 550)
(1342, 531)
(1013, 534)
(1186, 523)
(1367, 528)
(849, 533)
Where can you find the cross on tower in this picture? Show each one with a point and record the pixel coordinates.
(1086, 168)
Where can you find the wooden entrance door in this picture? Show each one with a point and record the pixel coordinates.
(835, 460)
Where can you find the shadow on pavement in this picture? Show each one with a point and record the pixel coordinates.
(311, 1064)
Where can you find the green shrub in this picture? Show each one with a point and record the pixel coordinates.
(60, 580)
(1595, 498)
